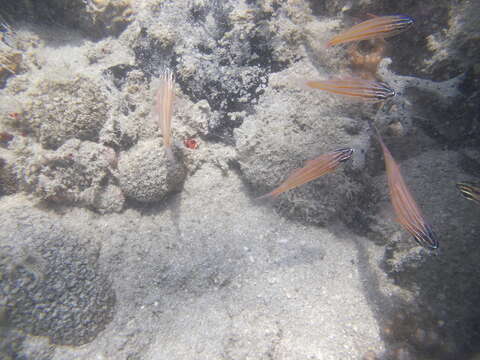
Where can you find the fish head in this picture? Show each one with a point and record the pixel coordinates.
(470, 191)
(427, 238)
(403, 22)
(344, 154)
(392, 93)
(383, 91)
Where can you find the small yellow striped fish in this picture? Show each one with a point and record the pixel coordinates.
(369, 90)
(312, 170)
(470, 191)
(378, 27)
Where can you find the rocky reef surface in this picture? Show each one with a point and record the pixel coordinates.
(110, 245)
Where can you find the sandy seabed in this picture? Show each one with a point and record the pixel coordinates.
(110, 251)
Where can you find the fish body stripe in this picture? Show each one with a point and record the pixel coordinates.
(312, 170)
(408, 213)
(378, 27)
(367, 89)
(164, 106)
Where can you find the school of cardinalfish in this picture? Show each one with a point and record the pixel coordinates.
(406, 209)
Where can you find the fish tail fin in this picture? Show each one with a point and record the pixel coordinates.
(266, 196)
(376, 132)
(270, 195)
(302, 83)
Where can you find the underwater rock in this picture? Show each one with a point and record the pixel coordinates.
(443, 43)
(57, 109)
(456, 47)
(443, 281)
(15, 344)
(108, 200)
(8, 179)
(447, 111)
(96, 18)
(76, 173)
(51, 284)
(237, 65)
(198, 118)
(11, 60)
(226, 59)
(292, 125)
(145, 173)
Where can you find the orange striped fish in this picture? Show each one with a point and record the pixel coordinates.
(313, 169)
(407, 211)
(378, 27)
(470, 191)
(369, 90)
